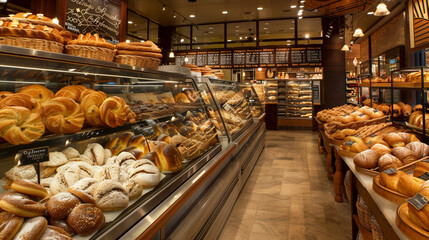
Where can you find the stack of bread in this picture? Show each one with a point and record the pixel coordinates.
(416, 118)
(400, 109)
(142, 54)
(27, 114)
(33, 31)
(91, 46)
(330, 115)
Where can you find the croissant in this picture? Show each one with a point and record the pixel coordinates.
(90, 105)
(4, 94)
(406, 110)
(396, 110)
(419, 148)
(18, 125)
(63, 115)
(38, 92)
(72, 91)
(21, 100)
(418, 107)
(115, 112)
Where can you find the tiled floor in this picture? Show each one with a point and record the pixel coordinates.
(288, 196)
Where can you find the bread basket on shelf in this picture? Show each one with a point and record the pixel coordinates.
(139, 61)
(33, 43)
(377, 233)
(364, 214)
(99, 53)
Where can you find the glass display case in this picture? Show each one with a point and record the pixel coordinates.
(299, 98)
(352, 90)
(89, 118)
(255, 104)
(271, 91)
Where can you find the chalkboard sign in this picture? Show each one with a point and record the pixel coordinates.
(282, 57)
(201, 59)
(252, 58)
(94, 16)
(32, 156)
(226, 59)
(298, 56)
(266, 58)
(239, 58)
(314, 55)
(213, 58)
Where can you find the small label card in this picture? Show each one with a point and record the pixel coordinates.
(418, 201)
(425, 176)
(390, 171)
(349, 143)
(33, 155)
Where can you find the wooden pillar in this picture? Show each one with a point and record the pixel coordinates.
(124, 20)
(61, 11)
(165, 34)
(47, 7)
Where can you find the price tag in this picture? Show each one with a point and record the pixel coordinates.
(362, 115)
(373, 135)
(150, 122)
(349, 143)
(426, 160)
(194, 112)
(178, 115)
(425, 176)
(228, 107)
(33, 155)
(418, 201)
(376, 110)
(137, 129)
(390, 171)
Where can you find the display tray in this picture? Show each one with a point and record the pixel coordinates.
(345, 153)
(410, 85)
(387, 193)
(409, 228)
(408, 168)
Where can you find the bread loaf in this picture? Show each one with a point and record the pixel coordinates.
(394, 140)
(409, 185)
(381, 149)
(353, 144)
(404, 154)
(366, 159)
(421, 168)
(63, 116)
(9, 225)
(391, 180)
(420, 217)
(419, 148)
(389, 161)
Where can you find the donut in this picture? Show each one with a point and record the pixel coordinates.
(29, 187)
(21, 205)
(61, 205)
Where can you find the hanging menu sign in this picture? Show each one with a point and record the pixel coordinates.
(298, 56)
(201, 59)
(252, 58)
(213, 58)
(94, 16)
(239, 59)
(266, 58)
(226, 59)
(282, 57)
(314, 56)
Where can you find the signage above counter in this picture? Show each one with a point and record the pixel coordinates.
(251, 58)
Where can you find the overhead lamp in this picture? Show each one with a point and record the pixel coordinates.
(345, 48)
(171, 55)
(370, 13)
(224, 12)
(301, 6)
(174, 14)
(358, 32)
(241, 38)
(182, 40)
(260, 8)
(192, 16)
(229, 40)
(307, 35)
(293, 6)
(302, 1)
(381, 10)
(127, 41)
(186, 59)
(130, 22)
(163, 7)
(300, 17)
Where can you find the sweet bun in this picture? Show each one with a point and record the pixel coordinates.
(389, 161)
(9, 225)
(396, 110)
(63, 115)
(419, 148)
(362, 117)
(84, 189)
(167, 158)
(21, 100)
(404, 154)
(181, 98)
(111, 195)
(38, 92)
(29, 187)
(418, 107)
(86, 219)
(355, 113)
(366, 159)
(406, 110)
(115, 112)
(371, 141)
(56, 233)
(394, 140)
(61, 205)
(116, 145)
(420, 217)
(91, 107)
(33, 228)
(72, 91)
(409, 185)
(381, 149)
(21, 205)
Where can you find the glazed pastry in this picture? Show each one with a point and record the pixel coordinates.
(20, 125)
(38, 92)
(418, 107)
(394, 140)
(33, 228)
(63, 116)
(388, 161)
(181, 98)
(56, 233)
(72, 91)
(21, 205)
(419, 148)
(61, 205)
(110, 195)
(91, 108)
(9, 225)
(366, 159)
(86, 219)
(95, 152)
(381, 149)
(115, 112)
(346, 119)
(28, 187)
(21, 100)
(166, 157)
(404, 154)
(396, 110)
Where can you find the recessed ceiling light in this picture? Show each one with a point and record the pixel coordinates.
(241, 38)
(237, 30)
(293, 6)
(130, 22)
(265, 28)
(192, 16)
(260, 8)
(182, 40)
(288, 40)
(302, 1)
(229, 40)
(267, 23)
(224, 12)
(292, 28)
(301, 6)
(127, 41)
(288, 44)
(300, 17)
(237, 26)
(299, 13)
(210, 28)
(370, 13)
(307, 35)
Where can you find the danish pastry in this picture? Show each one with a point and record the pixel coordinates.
(63, 115)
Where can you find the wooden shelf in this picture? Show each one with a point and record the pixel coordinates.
(366, 234)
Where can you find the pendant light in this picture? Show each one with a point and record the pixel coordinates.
(381, 10)
(358, 32)
(171, 54)
(345, 48)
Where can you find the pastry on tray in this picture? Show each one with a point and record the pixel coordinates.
(91, 46)
(142, 54)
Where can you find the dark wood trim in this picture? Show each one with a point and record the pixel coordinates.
(123, 28)
(61, 11)
(162, 220)
(250, 132)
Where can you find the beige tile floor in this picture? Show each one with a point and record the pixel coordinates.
(288, 196)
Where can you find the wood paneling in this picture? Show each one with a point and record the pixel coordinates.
(364, 50)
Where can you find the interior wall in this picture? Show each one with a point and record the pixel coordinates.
(388, 36)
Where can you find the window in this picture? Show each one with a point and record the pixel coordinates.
(278, 29)
(137, 27)
(241, 34)
(208, 36)
(153, 32)
(310, 26)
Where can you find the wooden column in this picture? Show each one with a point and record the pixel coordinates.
(124, 20)
(47, 7)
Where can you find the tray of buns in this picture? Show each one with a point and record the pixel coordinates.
(388, 193)
(407, 226)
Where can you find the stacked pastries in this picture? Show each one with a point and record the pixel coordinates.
(142, 54)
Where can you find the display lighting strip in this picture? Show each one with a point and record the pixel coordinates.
(300, 8)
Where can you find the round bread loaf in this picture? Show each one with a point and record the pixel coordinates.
(63, 225)
(86, 219)
(111, 195)
(61, 205)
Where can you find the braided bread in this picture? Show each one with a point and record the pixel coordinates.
(90, 105)
(18, 125)
(115, 112)
(21, 100)
(73, 91)
(63, 115)
(39, 92)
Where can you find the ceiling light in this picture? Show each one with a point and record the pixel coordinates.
(299, 13)
(163, 7)
(301, 6)
(171, 55)
(241, 38)
(293, 6)
(127, 41)
(224, 12)
(351, 43)
(260, 69)
(210, 28)
(255, 38)
(341, 37)
(358, 32)
(186, 59)
(174, 14)
(381, 10)
(300, 17)
(345, 48)
(307, 35)
(237, 26)
(260, 8)
(265, 28)
(182, 40)
(130, 22)
(370, 13)
(288, 44)
(302, 1)
(288, 40)
(192, 16)
(229, 40)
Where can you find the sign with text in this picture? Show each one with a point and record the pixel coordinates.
(94, 16)
(32, 156)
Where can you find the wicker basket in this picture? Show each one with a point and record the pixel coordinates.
(377, 234)
(33, 43)
(139, 61)
(364, 215)
(99, 53)
(359, 236)
(347, 186)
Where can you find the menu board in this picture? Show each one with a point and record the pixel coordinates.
(94, 16)
(225, 59)
(266, 58)
(213, 58)
(298, 56)
(192, 58)
(239, 59)
(314, 55)
(252, 58)
(282, 57)
(201, 59)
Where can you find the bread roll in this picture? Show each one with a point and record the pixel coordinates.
(116, 145)
(406, 110)
(29, 187)
(115, 112)
(63, 225)
(418, 107)
(371, 141)
(84, 189)
(381, 149)
(394, 140)
(391, 180)
(21, 100)
(388, 161)
(86, 219)
(181, 98)
(421, 168)
(167, 158)
(110, 195)
(346, 119)
(33, 228)
(409, 185)
(366, 159)
(362, 117)
(61, 205)
(63, 116)
(408, 137)
(20, 126)
(95, 152)
(111, 171)
(419, 148)
(353, 144)
(21, 205)
(145, 173)
(56, 233)
(376, 114)
(404, 154)
(396, 110)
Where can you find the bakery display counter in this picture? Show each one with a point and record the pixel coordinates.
(252, 98)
